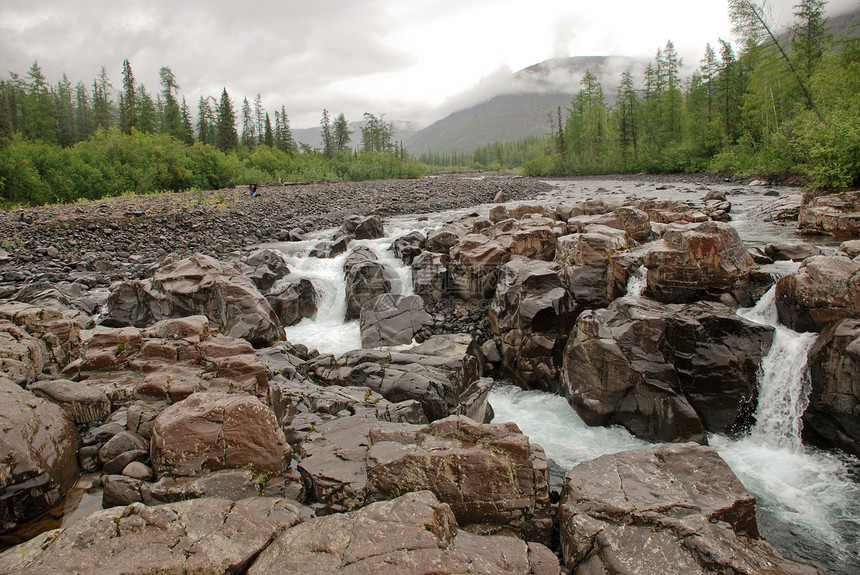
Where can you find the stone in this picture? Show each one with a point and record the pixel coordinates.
(294, 301)
(82, 403)
(636, 223)
(413, 533)
(22, 356)
(334, 248)
(474, 266)
(697, 261)
(436, 382)
(120, 443)
(665, 372)
(61, 336)
(407, 247)
(197, 285)
(205, 536)
(836, 214)
(531, 315)
(264, 267)
(851, 248)
(138, 470)
(794, 252)
(430, 277)
(39, 444)
(366, 278)
(824, 289)
(392, 320)
(302, 406)
(369, 228)
(833, 415)
(670, 509)
(585, 262)
(490, 474)
(210, 431)
(442, 240)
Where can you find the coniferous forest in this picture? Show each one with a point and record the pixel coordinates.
(783, 106)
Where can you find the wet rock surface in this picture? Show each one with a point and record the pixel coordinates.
(178, 404)
(670, 509)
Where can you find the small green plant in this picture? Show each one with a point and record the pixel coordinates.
(120, 348)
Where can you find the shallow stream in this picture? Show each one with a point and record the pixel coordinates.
(808, 499)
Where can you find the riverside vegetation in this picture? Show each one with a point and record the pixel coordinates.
(784, 108)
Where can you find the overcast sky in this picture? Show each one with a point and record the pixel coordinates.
(407, 59)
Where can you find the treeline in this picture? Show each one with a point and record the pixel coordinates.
(61, 142)
(784, 108)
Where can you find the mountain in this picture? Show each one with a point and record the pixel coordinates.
(522, 107)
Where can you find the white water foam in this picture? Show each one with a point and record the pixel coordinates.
(329, 332)
(638, 282)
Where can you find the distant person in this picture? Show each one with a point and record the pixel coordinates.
(253, 188)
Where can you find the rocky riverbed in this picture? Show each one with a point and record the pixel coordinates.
(143, 345)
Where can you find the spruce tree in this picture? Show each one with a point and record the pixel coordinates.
(226, 138)
(65, 113)
(341, 133)
(171, 116)
(38, 108)
(147, 116)
(128, 102)
(327, 136)
(811, 36)
(268, 136)
(249, 126)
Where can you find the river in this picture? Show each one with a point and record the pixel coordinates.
(808, 499)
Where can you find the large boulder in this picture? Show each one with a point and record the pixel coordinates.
(531, 235)
(82, 403)
(531, 315)
(264, 267)
(211, 431)
(585, 262)
(407, 247)
(366, 278)
(474, 267)
(22, 356)
(392, 320)
(823, 290)
(293, 301)
(167, 362)
(205, 536)
(833, 414)
(698, 261)
(672, 509)
(665, 372)
(490, 475)
(797, 252)
(414, 533)
(832, 214)
(430, 277)
(197, 285)
(61, 335)
(438, 383)
(39, 463)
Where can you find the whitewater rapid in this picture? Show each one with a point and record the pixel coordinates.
(808, 499)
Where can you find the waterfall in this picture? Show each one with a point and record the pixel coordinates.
(637, 282)
(783, 380)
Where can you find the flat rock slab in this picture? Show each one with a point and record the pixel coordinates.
(411, 534)
(671, 509)
(203, 536)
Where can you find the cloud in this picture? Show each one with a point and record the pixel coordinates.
(409, 60)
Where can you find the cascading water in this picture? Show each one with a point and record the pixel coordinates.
(638, 282)
(808, 500)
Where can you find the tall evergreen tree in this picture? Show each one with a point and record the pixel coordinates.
(283, 134)
(249, 126)
(187, 128)
(327, 136)
(811, 36)
(204, 112)
(7, 112)
(171, 116)
(128, 102)
(84, 125)
(626, 105)
(268, 136)
(147, 114)
(65, 113)
(226, 136)
(102, 104)
(38, 107)
(259, 118)
(341, 133)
